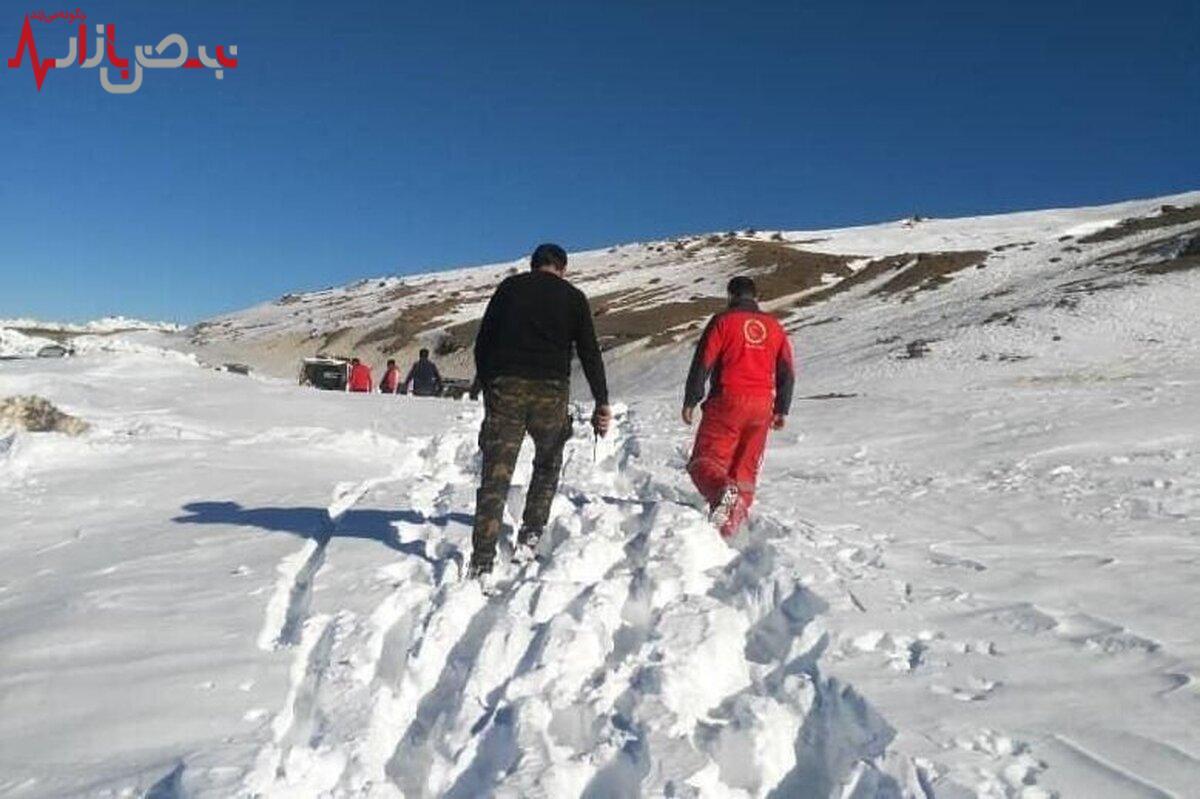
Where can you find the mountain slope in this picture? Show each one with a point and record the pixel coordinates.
(657, 294)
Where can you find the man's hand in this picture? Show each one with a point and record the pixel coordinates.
(689, 413)
(602, 420)
(778, 421)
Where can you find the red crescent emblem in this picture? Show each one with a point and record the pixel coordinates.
(755, 332)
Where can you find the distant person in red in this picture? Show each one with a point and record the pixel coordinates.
(360, 377)
(748, 357)
(391, 378)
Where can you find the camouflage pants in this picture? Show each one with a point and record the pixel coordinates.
(515, 406)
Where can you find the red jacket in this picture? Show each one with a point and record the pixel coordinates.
(360, 378)
(747, 353)
(391, 378)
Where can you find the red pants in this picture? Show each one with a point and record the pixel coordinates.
(729, 447)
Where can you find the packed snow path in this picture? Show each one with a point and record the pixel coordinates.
(641, 655)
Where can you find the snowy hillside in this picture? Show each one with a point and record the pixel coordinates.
(22, 338)
(971, 571)
(107, 324)
(15, 344)
(658, 294)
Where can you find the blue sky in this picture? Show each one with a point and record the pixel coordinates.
(360, 139)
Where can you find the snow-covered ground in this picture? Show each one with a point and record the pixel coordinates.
(15, 344)
(22, 338)
(108, 324)
(969, 574)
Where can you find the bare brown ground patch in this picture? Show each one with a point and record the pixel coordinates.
(625, 301)
(833, 395)
(922, 271)
(780, 270)
(411, 321)
(649, 313)
(932, 270)
(1169, 215)
(1185, 244)
(868, 274)
(60, 336)
(1172, 253)
(615, 323)
(458, 337)
(808, 321)
(1174, 265)
(398, 293)
(332, 337)
(65, 336)
(658, 324)
(1181, 263)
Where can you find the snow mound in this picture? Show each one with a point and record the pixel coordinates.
(107, 324)
(13, 343)
(38, 415)
(89, 344)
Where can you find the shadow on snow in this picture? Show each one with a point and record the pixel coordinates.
(310, 522)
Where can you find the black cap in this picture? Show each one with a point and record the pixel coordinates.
(548, 255)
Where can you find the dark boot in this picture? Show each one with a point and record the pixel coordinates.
(479, 569)
(527, 543)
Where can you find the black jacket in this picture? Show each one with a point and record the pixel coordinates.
(425, 378)
(529, 328)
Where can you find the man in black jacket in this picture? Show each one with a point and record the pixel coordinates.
(424, 379)
(523, 360)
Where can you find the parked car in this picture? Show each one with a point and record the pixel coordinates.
(328, 374)
(55, 351)
(455, 388)
(452, 388)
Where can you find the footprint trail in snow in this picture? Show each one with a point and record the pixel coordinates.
(640, 655)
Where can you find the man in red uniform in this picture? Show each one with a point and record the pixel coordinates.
(748, 356)
(360, 377)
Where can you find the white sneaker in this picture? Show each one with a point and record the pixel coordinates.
(721, 512)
